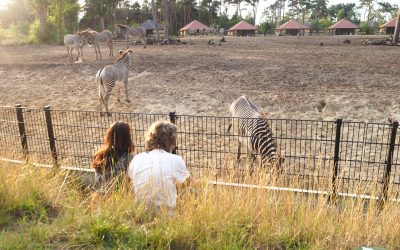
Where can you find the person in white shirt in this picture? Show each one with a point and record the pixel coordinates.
(154, 173)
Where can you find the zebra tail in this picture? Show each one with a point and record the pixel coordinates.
(99, 82)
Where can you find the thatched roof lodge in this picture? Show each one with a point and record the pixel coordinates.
(292, 28)
(194, 28)
(343, 27)
(389, 26)
(242, 28)
(150, 27)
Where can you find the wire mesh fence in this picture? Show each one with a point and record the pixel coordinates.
(331, 156)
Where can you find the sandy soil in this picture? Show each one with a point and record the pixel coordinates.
(286, 76)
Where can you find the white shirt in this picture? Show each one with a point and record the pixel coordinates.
(153, 175)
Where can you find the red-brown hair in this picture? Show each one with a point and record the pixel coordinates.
(117, 141)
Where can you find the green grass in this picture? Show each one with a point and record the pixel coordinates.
(42, 208)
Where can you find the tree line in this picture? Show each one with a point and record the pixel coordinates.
(49, 20)
(369, 14)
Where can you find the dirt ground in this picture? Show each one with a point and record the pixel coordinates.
(286, 76)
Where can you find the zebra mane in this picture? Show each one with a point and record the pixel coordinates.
(122, 26)
(252, 104)
(123, 55)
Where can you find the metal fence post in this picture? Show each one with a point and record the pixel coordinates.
(172, 119)
(50, 132)
(333, 196)
(389, 162)
(21, 128)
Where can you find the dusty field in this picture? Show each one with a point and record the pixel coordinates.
(284, 75)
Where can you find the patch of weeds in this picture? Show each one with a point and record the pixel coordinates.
(290, 243)
(34, 208)
(5, 221)
(111, 235)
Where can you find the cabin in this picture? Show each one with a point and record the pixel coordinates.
(150, 27)
(194, 28)
(343, 27)
(389, 26)
(242, 28)
(291, 28)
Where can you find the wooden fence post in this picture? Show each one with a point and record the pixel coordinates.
(333, 196)
(50, 132)
(21, 128)
(389, 162)
(172, 119)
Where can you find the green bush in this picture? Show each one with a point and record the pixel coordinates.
(365, 29)
(54, 32)
(34, 32)
(15, 34)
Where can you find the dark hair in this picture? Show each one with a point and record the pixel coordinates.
(117, 141)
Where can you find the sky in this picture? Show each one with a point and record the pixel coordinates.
(262, 5)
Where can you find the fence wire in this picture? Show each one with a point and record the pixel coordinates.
(210, 149)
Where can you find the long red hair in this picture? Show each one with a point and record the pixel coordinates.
(117, 141)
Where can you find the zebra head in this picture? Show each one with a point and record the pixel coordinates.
(126, 57)
(116, 31)
(81, 37)
(88, 35)
(119, 30)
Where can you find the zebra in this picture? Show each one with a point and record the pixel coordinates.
(94, 37)
(107, 76)
(254, 131)
(127, 31)
(76, 41)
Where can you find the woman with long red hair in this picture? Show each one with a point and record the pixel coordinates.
(112, 160)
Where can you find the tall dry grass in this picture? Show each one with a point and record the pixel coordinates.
(49, 208)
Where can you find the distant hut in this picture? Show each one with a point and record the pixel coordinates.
(242, 28)
(343, 27)
(150, 27)
(291, 28)
(389, 26)
(194, 28)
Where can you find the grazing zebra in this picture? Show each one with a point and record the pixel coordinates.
(95, 38)
(76, 41)
(253, 128)
(127, 31)
(107, 76)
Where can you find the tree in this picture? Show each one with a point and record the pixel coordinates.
(41, 9)
(343, 11)
(154, 11)
(267, 27)
(319, 9)
(385, 11)
(271, 13)
(254, 6)
(65, 13)
(397, 29)
(368, 4)
(166, 19)
(300, 7)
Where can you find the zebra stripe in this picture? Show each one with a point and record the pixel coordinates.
(107, 76)
(254, 130)
(126, 31)
(74, 42)
(95, 38)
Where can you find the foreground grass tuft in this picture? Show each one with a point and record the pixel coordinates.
(48, 208)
